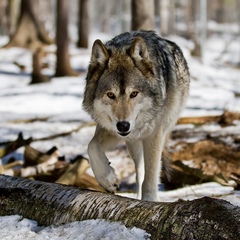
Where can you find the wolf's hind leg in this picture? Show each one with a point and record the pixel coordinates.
(102, 170)
(136, 151)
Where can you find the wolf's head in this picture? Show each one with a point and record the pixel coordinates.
(121, 89)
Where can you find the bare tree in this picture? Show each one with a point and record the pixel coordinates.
(203, 32)
(84, 24)
(48, 203)
(171, 21)
(125, 13)
(238, 20)
(37, 76)
(190, 14)
(142, 14)
(30, 32)
(105, 9)
(220, 15)
(13, 6)
(63, 67)
(3, 18)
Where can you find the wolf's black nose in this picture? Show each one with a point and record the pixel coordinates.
(123, 126)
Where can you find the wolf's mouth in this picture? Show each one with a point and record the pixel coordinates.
(124, 134)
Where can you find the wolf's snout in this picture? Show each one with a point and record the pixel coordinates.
(123, 128)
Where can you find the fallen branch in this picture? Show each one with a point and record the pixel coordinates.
(75, 175)
(12, 146)
(35, 163)
(226, 118)
(30, 120)
(65, 133)
(48, 204)
(205, 160)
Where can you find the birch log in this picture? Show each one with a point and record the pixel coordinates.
(49, 203)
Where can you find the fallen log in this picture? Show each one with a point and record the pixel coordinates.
(49, 203)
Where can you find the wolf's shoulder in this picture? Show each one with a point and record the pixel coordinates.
(154, 42)
(125, 39)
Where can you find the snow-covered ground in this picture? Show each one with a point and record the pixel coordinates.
(215, 86)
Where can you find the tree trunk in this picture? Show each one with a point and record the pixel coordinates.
(142, 15)
(84, 24)
(3, 18)
(13, 10)
(171, 21)
(30, 33)
(37, 76)
(125, 12)
(63, 67)
(190, 18)
(48, 203)
(220, 14)
(238, 20)
(203, 32)
(163, 17)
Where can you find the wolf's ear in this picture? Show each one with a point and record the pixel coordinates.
(139, 53)
(138, 50)
(99, 53)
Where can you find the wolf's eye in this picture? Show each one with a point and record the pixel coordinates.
(111, 95)
(133, 94)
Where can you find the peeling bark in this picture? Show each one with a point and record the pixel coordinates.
(47, 203)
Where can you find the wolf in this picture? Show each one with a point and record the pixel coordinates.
(136, 86)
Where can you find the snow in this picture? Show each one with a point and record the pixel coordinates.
(210, 189)
(214, 87)
(16, 227)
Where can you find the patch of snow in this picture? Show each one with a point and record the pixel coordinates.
(210, 189)
(16, 228)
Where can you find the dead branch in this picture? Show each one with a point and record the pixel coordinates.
(48, 137)
(202, 161)
(47, 203)
(12, 146)
(226, 118)
(75, 175)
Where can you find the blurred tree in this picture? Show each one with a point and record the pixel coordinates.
(203, 31)
(171, 20)
(163, 12)
(3, 18)
(220, 15)
(105, 11)
(142, 14)
(83, 23)
(125, 13)
(63, 67)
(37, 76)
(190, 18)
(238, 20)
(30, 32)
(12, 11)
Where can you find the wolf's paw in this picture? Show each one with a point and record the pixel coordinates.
(108, 181)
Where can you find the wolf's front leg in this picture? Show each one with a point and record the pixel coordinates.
(102, 170)
(135, 149)
(153, 147)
